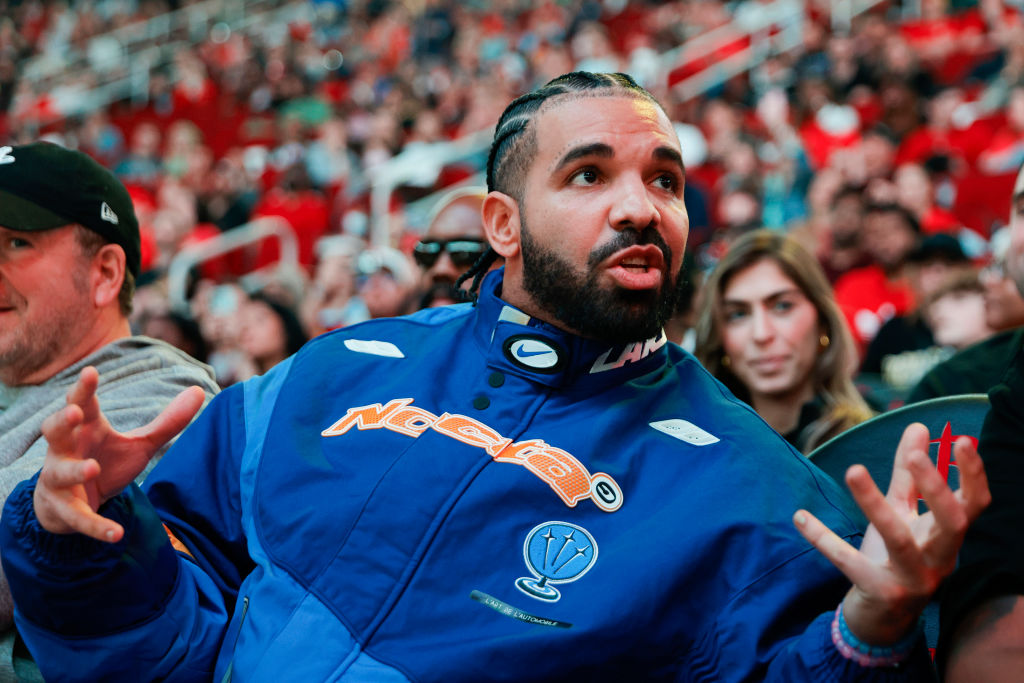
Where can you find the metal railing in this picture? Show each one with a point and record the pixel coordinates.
(770, 30)
(286, 270)
(400, 169)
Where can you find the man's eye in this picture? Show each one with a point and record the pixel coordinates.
(584, 176)
(667, 181)
(18, 243)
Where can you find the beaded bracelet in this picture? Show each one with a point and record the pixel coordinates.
(869, 655)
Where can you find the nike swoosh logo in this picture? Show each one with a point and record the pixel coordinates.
(533, 352)
(523, 353)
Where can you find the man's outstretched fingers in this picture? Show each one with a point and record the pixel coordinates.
(174, 418)
(974, 491)
(844, 556)
(950, 516)
(62, 510)
(59, 429)
(79, 517)
(83, 392)
(901, 484)
(62, 473)
(891, 526)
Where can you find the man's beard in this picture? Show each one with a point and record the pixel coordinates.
(33, 343)
(576, 300)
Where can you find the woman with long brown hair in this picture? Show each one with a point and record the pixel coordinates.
(770, 330)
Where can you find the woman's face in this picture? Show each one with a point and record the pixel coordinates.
(261, 332)
(770, 331)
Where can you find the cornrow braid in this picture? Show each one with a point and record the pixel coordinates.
(513, 122)
(477, 272)
(515, 143)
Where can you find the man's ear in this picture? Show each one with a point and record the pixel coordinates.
(107, 274)
(500, 214)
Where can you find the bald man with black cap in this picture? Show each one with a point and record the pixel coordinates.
(69, 256)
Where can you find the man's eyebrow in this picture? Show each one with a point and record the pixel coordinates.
(600, 149)
(596, 149)
(669, 154)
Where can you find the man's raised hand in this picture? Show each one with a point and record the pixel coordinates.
(905, 555)
(88, 462)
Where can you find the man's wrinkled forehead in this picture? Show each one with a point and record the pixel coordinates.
(592, 98)
(648, 108)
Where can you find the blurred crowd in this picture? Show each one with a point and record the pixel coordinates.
(886, 145)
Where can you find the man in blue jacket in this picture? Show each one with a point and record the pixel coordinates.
(533, 487)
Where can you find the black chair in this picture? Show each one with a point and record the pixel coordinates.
(873, 444)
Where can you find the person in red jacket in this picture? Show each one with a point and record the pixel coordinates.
(871, 295)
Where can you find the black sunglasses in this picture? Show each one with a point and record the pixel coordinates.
(463, 252)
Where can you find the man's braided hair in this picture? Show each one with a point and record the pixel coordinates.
(515, 144)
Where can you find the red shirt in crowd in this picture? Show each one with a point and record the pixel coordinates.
(868, 298)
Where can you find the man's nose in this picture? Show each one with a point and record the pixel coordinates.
(632, 206)
(444, 268)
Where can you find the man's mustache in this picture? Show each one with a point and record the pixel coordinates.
(442, 290)
(631, 238)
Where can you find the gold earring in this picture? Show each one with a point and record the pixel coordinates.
(725, 361)
(824, 341)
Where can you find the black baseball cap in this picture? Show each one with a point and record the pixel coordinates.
(939, 247)
(45, 186)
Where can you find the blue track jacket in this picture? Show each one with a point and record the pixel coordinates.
(465, 494)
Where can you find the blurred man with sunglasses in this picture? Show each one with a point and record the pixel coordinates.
(453, 241)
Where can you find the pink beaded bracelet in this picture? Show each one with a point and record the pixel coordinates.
(869, 655)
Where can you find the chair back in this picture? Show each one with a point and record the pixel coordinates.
(873, 443)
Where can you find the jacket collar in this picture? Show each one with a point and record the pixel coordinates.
(518, 344)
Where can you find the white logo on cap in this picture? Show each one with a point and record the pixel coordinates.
(107, 214)
(5, 155)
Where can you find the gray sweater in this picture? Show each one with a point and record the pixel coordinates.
(138, 378)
